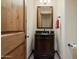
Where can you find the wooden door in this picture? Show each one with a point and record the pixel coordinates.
(13, 29)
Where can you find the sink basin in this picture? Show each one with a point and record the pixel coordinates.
(44, 32)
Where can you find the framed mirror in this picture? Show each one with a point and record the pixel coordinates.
(45, 17)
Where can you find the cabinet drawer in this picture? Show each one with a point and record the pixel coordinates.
(11, 41)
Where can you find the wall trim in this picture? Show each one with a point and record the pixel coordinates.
(58, 54)
(30, 54)
(55, 52)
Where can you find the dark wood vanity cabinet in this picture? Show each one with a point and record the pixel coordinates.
(44, 45)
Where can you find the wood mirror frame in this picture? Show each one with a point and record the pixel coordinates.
(39, 18)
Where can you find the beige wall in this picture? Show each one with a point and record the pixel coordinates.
(71, 26)
(67, 33)
(60, 33)
(71, 20)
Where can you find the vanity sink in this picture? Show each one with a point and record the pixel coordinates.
(44, 32)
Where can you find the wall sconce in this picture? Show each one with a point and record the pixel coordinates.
(45, 1)
(49, 1)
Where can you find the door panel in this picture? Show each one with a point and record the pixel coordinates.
(71, 28)
(11, 41)
(12, 15)
(18, 53)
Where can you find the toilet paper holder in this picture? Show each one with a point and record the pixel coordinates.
(72, 45)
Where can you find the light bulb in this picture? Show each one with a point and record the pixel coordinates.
(45, 1)
(49, 1)
(41, 1)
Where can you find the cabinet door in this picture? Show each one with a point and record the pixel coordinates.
(18, 53)
(12, 15)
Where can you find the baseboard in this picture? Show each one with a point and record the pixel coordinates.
(55, 52)
(58, 54)
(30, 55)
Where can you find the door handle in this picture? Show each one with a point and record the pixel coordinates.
(26, 36)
